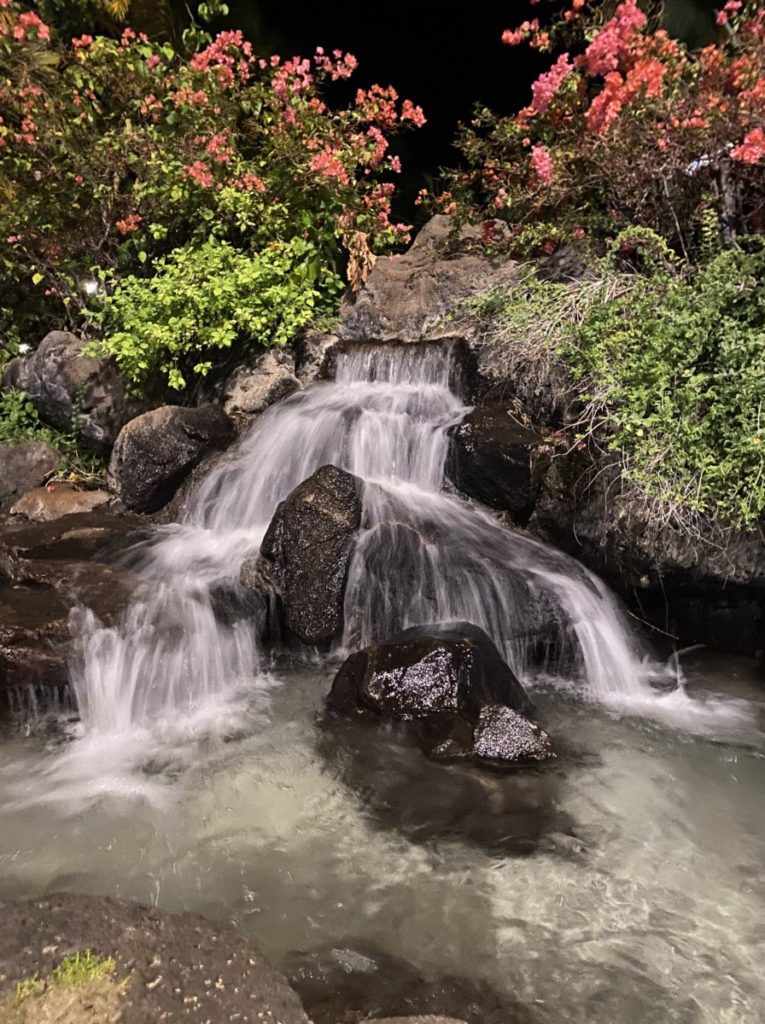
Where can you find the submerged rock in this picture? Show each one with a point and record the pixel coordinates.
(252, 389)
(351, 981)
(24, 466)
(155, 452)
(497, 460)
(451, 680)
(166, 966)
(73, 391)
(307, 550)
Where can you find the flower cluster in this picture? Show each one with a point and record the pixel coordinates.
(121, 149)
(628, 125)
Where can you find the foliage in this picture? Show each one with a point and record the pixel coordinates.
(20, 421)
(117, 153)
(669, 366)
(203, 299)
(627, 126)
(27, 988)
(81, 968)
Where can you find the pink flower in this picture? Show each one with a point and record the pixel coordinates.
(327, 163)
(201, 173)
(612, 43)
(542, 163)
(512, 37)
(752, 149)
(129, 224)
(544, 90)
(411, 113)
(82, 42)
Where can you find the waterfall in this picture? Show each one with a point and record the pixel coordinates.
(422, 556)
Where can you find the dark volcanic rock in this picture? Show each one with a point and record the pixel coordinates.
(46, 570)
(156, 451)
(174, 966)
(496, 460)
(73, 391)
(451, 682)
(502, 735)
(307, 550)
(397, 788)
(24, 466)
(448, 668)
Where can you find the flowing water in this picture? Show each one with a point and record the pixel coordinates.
(626, 885)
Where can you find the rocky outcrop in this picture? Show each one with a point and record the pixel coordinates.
(46, 570)
(313, 352)
(155, 452)
(497, 460)
(307, 550)
(451, 680)
(73, 391)
(57, 499)
(251, 389)
(166, 966)
(410, 298)
(23, 467)
(693, 581)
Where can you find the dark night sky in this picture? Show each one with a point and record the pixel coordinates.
(444, 55)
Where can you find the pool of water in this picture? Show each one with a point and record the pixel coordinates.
(624, 886)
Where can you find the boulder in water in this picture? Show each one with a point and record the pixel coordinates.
(445, 668)
(155, 452)
(73, 391)
(503, 736)
(496, 459)
(24, 466)
(307, 550)
(450, 680)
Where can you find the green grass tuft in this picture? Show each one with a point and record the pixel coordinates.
(81, 968)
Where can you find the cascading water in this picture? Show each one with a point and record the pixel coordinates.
(423, 556)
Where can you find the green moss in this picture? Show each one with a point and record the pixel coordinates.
(81, 968)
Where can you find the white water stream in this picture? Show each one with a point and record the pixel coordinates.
(627, 884)
(423, 556)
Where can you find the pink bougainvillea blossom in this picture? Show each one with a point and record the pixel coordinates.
(544, 90)
(543, 164)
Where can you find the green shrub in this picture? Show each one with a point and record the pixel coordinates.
(669, 366)
(203, 299)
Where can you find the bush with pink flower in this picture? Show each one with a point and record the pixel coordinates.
(627, 126)
(116, 153)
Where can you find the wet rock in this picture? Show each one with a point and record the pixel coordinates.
(155, 452)
(173, 966)
(504, 737)
(46, 571)
(252, 389)
(307, 550)
(61, 499)
(497, 460)
(24, 466)
(448, 669)
(410, 298)
(451, 682)
(73, 391)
